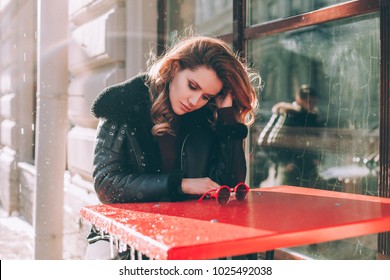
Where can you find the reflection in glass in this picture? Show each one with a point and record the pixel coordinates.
(340, 60)
(204, 16)
(260, 11)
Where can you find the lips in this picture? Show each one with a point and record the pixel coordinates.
(185, 108)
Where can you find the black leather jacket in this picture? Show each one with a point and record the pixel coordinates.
(127, 163)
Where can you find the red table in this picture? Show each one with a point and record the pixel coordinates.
(271, 218)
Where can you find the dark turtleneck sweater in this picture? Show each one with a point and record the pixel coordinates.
(170, 144)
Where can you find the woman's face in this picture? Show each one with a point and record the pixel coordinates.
(192, 89)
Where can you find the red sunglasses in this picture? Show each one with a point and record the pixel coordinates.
(223, 193)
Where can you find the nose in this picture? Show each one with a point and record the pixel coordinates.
(193, 100)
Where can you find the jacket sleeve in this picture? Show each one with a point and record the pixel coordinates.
(119, 175)
(228, 157)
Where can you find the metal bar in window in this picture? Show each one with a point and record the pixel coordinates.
(227, 37)
(161, 26)
(335, 12)
(238, 26)
(384, 189)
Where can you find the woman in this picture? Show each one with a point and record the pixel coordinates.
(176, 131)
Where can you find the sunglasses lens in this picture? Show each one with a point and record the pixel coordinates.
(241, 193)
(223, 196)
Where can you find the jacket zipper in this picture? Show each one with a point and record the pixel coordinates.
(182, 152)
(139, 163)
(230, 162)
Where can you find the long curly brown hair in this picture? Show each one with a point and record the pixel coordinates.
(193, 52)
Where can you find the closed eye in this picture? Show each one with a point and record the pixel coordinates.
(192, 86)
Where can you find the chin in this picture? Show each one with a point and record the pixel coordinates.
(177, 111)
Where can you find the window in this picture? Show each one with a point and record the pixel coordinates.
(340, 61)
(206, 17)
(340, 50)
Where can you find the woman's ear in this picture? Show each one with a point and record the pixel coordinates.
(175, 67)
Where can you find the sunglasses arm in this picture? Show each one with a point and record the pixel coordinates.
(206, 193)
(201, 198)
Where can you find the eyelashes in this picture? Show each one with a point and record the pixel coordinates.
(192, 86)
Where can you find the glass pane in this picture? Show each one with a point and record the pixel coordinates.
(204, 16)
(336, 146)
(260, 11)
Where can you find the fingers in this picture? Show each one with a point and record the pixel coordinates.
(198, 185)
(225, 100)
(211, 185)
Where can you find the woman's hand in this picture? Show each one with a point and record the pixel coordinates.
(198, 185)
(224, 100)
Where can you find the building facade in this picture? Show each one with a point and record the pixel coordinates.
(56, 58)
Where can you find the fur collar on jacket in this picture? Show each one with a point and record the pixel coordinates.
(127, 102)
(130, 102)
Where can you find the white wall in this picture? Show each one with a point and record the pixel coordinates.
(109, 42)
